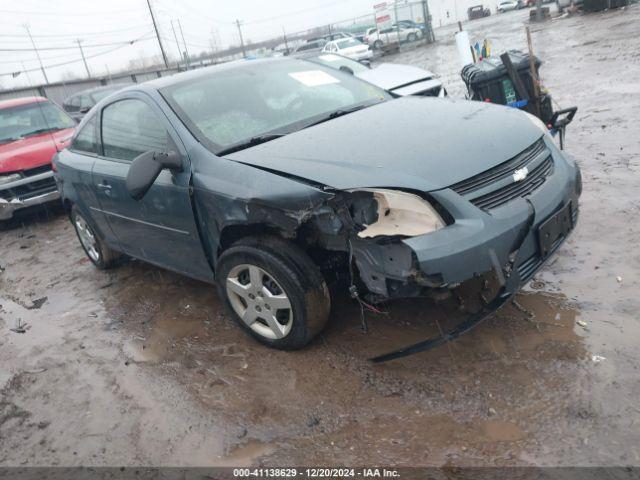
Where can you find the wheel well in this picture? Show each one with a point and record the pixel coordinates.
(233, 233)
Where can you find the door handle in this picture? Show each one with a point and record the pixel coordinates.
(105, 187)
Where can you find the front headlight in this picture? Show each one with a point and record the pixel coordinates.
(398, 213)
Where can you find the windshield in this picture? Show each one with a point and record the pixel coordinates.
(348, 42)
(338, 61)
(233, 105)
(32, 119)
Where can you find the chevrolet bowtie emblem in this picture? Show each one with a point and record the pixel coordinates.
(520, 174)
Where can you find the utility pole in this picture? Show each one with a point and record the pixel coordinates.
(238, 23)
(177, 44)
(286, 45)
(155, 27)
(186, 50)
(83, 59)
(26, 26)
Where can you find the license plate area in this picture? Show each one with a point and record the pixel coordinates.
(554, 229)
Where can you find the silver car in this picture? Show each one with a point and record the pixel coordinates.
(398, 79)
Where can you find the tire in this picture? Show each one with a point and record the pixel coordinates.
(256, 272)
(411, 37)
(100, 255)
(377, 45)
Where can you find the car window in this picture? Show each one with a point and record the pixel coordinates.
(130, 128)
(86, 140)
(228, 106)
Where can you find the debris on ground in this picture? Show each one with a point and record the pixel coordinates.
(582, 323)
(597, 358)
(21, 327)
(37, 303)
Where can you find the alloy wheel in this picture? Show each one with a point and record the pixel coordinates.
(87, 238)
(259, 301)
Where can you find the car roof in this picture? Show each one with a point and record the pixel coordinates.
(160, 83)
(15, 102)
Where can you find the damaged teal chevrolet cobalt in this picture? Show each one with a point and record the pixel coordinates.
(275, 178)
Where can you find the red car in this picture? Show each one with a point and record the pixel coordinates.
(32, 130)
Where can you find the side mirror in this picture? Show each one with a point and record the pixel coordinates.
(146, 167)
(85, 109)
(346, 69)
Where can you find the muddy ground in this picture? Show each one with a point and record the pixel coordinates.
(139, 366)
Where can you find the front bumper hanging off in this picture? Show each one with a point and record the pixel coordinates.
(549, 234)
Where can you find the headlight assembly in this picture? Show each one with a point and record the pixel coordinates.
(396, 213)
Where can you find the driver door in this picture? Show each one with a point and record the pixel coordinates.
(161, 227)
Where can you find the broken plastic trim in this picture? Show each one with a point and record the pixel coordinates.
(506, 292)
(501, 298)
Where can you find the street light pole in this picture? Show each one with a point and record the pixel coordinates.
(244, 54)
(26, 26)
(83, 59)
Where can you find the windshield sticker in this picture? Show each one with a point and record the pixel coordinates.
(329, 57)
(314, 78)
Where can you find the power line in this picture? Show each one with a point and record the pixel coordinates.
(64, 35)
(190, 11)
(88, 56)
(297, 12)
(110, 44)
(70, 14)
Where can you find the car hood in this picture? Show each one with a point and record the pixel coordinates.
(391, 75)
(420, 143)
(32, 152)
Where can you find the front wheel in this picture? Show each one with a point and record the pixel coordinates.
(274, 291)
(412, 37)
(377, 45)
(99, 254)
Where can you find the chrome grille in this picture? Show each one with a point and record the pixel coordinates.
(31, 189)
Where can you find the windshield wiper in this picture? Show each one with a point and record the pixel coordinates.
(336, 114)
(253, 141)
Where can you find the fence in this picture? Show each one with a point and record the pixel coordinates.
(58, 91)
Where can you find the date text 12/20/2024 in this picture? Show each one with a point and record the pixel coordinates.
(315, 473)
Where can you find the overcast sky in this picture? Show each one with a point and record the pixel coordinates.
(108, 25)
